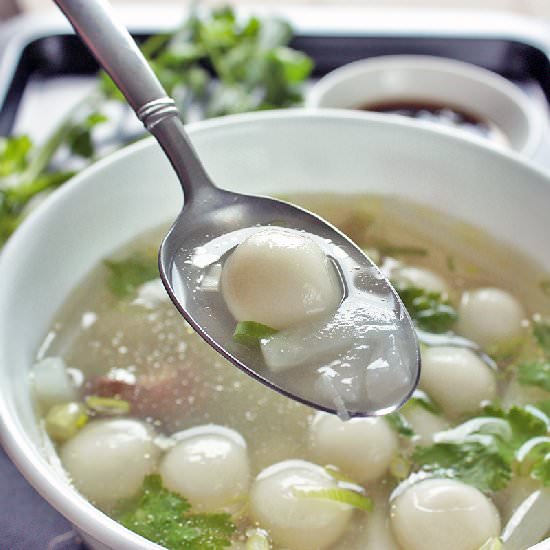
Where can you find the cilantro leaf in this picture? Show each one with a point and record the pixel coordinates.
(430, 310)
(536, 373)
(14, 154)
(483, 451)
(163, 517)
(125, 276)
(79, 139)
(470, 461)
(213, 64)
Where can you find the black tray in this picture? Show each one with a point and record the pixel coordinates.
(523, 56)
(44, 48)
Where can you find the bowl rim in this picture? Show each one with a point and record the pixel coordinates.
(27, 457)
(473, 74)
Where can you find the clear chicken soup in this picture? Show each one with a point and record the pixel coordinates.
(158, 431)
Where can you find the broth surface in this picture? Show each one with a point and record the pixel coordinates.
(184, 383)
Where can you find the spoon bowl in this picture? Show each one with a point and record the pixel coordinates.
(378, 368)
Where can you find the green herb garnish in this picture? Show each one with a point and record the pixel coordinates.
(494, 543)
(65, 420)
(163, 517)
(214, 64)
(250, 64)
(257, 539)
(544, 406)
(250, 333)
(126, 276)
(399, 423)
(483, 451)
(345, 496)
(107, 405)
(422, 399)
(429, 310)
(536, 373)
(469, 461)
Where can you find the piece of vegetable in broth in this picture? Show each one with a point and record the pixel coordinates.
(250, 333)
(52, 383)
(64, 421)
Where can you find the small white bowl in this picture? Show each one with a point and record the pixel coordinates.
(135, 190)
(431, 80)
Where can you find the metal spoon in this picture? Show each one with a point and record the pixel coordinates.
(210, 212)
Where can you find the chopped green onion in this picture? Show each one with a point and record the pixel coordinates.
(257, 539)
(337, 474)
(494, 543)
(344, 496)
(64, 421)
(107, 405)
(249, 333)
(400, 467)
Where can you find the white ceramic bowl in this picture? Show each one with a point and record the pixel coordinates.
(441, 81)
(277, 152)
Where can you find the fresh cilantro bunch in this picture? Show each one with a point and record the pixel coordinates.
(215, 64)
(27, 171)
(487, 450)
(164, 517)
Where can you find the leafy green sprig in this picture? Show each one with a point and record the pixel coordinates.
(218, 64)
(486, 451)
(431, 311)
(164, 517)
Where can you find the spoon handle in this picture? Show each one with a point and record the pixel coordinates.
(115, 50)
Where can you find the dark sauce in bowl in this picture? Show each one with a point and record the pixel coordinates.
(446, 115)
